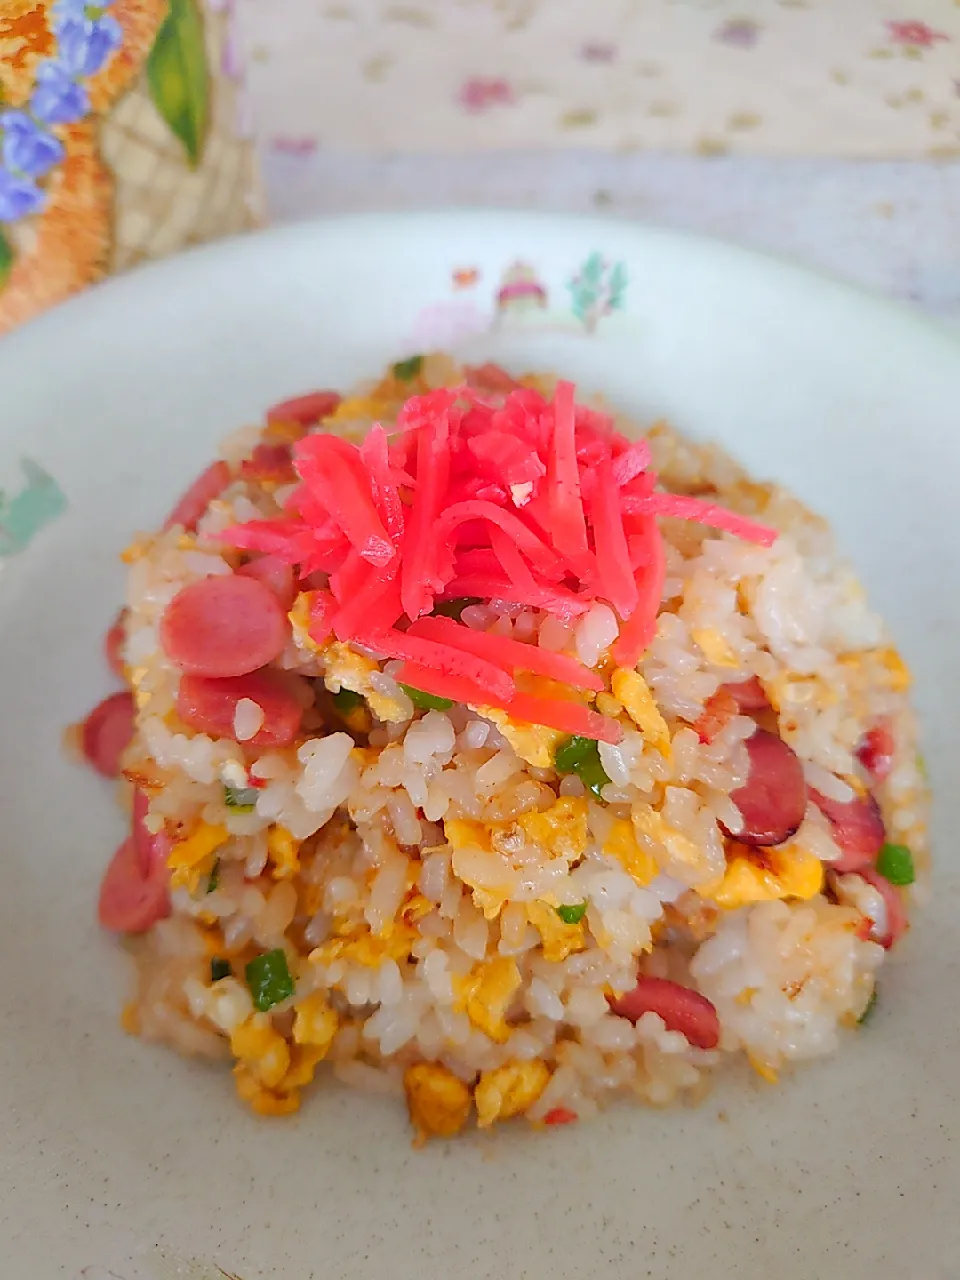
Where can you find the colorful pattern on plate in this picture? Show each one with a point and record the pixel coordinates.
(522, 299)
(31, 509)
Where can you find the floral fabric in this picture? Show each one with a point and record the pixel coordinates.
(118, 141)
(853, 78)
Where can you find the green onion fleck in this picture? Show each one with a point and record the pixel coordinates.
(922, 766)
(582, 756)
(868, 1011)
(895, 863)
(214, 881)
(268, 978)
(219, 968)
(572, 915)
(454, 608)
(407, 370)
(346, 701)
(240, 799)
(426, 701)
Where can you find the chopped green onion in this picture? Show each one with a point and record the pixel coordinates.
(214, 881)
(572, 915)
(454, 608)
(219, 968)
(868, 1011)
(922, 766)
(426, 701)
(895, 863)
(346, 701)
(407, 370)
(241, 799)
(582, 756)
(268, 978)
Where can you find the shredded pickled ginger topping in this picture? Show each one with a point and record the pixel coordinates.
(537, 501)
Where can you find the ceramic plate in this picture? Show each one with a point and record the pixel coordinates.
(119, 1159)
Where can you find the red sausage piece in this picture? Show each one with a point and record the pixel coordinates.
(275, 574)
(113, 644)
(857, 828)
(875, 751)
(106, 732)
(773, 799)
(130, 901)
(224, 626)
(207, 486)
(681, 1009)
(305, 410)
(210, 706)
(897, 921)
(748, 695)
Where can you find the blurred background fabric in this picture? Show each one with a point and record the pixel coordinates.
(119, 141)
(828, 130)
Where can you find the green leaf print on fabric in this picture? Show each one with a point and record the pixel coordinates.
(37, 504)
(179, 77)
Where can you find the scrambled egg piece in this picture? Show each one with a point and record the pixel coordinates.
(304, 1060)
(439, 1102)
(535, 743)
(608, 705)
(622, 844)
(192, 859)
(559, 939)
(561, 830)
(299, 617)
(485, 994)
(648, 822)
(793, 872)
(348, 669)
(315, 1023)
(282, 850)
(763, 1069)
(261, 1049)
(897, 671)
(463, 833)
(509, 1090)
(713, 646)
(265, 1102)
(366, 949)
(357, 409)
(633, 691)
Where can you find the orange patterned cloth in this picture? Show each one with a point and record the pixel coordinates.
(118, 141)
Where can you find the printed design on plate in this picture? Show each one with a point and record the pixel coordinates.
(23, 514)
(94, 95)
(520, 297)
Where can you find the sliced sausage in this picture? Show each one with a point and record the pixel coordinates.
(107, 731)
(744, 698)
(749, 695)
(269, 462)
(857, 828)
(210, 706)
(773, 799)
(875, 751)
(275, 574)
(130, 900)
(113, 643)
(490, 377)
(897, 921)
(224, 626)
(681, 1009)
(305, 410)
(207, 486)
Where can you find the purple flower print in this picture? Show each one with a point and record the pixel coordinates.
(27, 148)
(87, 43)
(479, 93)
(742, 33)
(57, 99)
(598, 51)
(19, 197)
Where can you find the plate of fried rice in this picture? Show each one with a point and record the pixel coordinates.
(474, 690)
